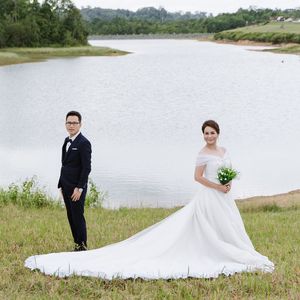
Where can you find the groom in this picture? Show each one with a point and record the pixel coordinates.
(76, 166)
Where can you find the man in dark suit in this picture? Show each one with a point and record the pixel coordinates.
(76, 166)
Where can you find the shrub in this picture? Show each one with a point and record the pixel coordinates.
(26, 194)
(94, 197)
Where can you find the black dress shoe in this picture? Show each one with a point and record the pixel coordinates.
(80, 247)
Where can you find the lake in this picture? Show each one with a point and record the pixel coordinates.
(143, 114)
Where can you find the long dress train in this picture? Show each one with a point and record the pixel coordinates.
(204, 239)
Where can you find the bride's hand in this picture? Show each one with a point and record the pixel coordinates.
(224, 188)
(228, 185)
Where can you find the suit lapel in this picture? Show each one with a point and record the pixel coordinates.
(63, 154)
(73, 145)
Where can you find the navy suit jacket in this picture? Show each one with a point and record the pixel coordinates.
(76, 164)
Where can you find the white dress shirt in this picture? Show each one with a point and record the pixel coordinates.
(71, 138)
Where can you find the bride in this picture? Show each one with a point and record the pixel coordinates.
(204, 239)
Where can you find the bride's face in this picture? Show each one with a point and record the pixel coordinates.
(210, 135)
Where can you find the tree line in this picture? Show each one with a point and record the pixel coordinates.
(29, 23)
(152, 21)
(36, 23)
(145, 13)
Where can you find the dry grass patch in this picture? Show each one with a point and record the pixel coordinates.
(289, 200)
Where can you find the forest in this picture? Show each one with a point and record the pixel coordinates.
(29, 23)
(56, 23)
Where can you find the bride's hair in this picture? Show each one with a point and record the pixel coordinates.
(211, 123)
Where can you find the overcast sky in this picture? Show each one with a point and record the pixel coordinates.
(213, 6)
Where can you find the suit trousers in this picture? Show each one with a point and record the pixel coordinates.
(75, 213)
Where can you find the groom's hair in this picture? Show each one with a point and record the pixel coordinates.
(74, 113)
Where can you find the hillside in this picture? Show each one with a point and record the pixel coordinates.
(274, 33)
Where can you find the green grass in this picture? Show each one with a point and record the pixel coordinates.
(283, 27)
(27, 231)
(286, 34)
(10, 56)
(294, 49)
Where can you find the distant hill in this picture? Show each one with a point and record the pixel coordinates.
(146, 13)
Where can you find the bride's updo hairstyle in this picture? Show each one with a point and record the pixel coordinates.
(211, 123)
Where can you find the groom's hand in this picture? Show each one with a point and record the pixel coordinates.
(76, 194)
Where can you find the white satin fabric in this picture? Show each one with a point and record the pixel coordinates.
(204, 239)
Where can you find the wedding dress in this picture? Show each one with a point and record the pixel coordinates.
(204, 239)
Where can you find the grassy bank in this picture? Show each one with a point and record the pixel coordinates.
(273, 224)
(10, 56)
(285, 35)
(287, 49)
(282, 48)
(280, 27)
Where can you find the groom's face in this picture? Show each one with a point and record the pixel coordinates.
(73, 125)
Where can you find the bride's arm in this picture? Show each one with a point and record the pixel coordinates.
(201, 179)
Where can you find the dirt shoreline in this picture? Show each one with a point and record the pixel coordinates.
(274, 48)
(245, 43)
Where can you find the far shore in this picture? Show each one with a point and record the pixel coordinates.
(285, 200)
(10, 56)
(203, 37)
(156, 36)
(288, 48)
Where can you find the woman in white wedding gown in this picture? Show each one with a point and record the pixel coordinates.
(204, 239)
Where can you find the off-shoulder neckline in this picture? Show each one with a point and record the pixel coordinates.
(206, 154)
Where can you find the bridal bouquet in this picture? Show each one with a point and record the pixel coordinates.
(225, 175)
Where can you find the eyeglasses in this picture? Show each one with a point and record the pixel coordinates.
(72, 123)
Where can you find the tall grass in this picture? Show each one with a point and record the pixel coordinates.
(29, 194)
(95, 197)
(26, 194)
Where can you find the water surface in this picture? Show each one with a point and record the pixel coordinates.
(143, 113)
